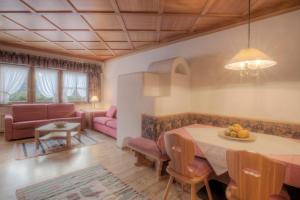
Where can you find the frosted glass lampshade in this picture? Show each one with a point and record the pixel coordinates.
(250, 58)
(94, 99)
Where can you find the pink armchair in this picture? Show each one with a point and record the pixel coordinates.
(26, 117)
(105, 122)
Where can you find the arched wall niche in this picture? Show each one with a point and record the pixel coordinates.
(171, 66)
(164, 75)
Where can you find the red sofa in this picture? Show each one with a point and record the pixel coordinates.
(105, 122)
(26, 117)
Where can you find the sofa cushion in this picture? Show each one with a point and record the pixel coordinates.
(62, 110)
(29, 112)
(112, 112)
(101, 120)
(29, 124)
(112, 123)
(145, 146)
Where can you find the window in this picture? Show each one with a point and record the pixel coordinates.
(74, 87)
(13, 83)
(46, 85)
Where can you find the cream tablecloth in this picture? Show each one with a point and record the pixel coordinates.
(214, 149)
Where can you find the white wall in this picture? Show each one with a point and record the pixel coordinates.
(131, 104)
(218, 91)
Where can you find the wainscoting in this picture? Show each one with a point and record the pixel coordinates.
(153, 126)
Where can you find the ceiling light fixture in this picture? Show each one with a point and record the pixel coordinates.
(250, 60)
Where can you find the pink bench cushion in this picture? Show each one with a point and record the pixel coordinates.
(112, 123)
(64, 110)
(29, 112)
(147, 146)
(112, 112)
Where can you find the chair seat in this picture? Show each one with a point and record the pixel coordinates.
(200, 167)
(146, 146)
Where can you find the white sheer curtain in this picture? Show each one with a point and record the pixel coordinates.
(12, 78)
(69, 84)
(75, 84)
(82, 85)
(47, 83)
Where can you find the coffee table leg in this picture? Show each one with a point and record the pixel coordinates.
(37, 139)
(79, 133)
(69, 139)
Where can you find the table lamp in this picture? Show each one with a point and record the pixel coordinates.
(93, 100)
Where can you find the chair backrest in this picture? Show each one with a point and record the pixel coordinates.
(181, 152)
(256, 176)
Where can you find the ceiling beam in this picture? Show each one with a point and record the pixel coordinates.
(74, 10)
(207, 6)
(57, 27)
(121, 21)
(161, 7)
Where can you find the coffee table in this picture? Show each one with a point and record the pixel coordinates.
(50, 131)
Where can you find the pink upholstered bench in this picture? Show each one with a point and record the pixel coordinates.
(143, 148)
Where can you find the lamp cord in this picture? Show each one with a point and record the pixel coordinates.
(249, 16)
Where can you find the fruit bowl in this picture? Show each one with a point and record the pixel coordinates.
(237, 132)
(60, 124)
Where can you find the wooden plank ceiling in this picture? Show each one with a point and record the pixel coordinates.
(102, 29)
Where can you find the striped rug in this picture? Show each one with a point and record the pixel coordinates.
(93, 183)
(26, 148)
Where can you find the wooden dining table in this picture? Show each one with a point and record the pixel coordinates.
(210, 145)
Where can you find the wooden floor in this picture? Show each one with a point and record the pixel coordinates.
(15, 174)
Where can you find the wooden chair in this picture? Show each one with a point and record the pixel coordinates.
(254, 177)
(183, 165)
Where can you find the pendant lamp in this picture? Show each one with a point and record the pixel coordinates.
(250, 58)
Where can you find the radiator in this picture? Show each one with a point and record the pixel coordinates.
(2, 122)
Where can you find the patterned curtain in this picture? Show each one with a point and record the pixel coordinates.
(93, 70)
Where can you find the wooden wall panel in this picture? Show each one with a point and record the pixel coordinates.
(103, 21)
(30, 21)
(177, 22)
(140, 22)
(12, 5)
(143, 35)
(26, 36)
(92, 5)
(55, 36)
(93, 45)
(53, 5)
(183, 6)
(113, 35)
(67, 21)
(138, 5)
(6, 24)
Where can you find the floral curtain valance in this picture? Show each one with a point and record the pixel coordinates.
(32, 60)
(93, 70)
